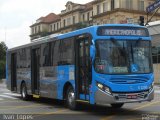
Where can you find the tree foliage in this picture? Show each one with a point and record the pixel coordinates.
(3, 49)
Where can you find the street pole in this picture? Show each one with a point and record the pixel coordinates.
(151, 16)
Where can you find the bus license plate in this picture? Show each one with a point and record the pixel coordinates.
(132, 96)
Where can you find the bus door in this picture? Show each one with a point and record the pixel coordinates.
(13, 72)
(35, 60)
(83, 76)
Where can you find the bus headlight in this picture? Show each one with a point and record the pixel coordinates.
(104, 88)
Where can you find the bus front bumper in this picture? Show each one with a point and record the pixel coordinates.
(103, 98)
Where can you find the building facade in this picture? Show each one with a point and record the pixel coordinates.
(154, 30)
(96, 12)
(43, 26)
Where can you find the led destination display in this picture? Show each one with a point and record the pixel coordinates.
(122, 31)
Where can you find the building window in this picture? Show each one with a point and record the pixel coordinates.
(50, 27)
(112, 4)
(83, 17)
(105, 7)
(39, 28)
(64, 22)
(32, 31)
(68, 21)
(156, 55)
(35, 30)
(57, 26)
(74, 19)
(98, 9)
(69, 7)
(54, 27)
(88, 16)
(129, 4)
(141, 5)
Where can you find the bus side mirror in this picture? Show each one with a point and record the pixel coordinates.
(92, 51)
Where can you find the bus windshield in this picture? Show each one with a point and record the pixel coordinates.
(123, 56)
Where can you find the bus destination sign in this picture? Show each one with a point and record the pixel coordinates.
(122, 31)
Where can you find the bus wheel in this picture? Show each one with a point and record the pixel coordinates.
(118, 105)
(71, 102)
(24, 94)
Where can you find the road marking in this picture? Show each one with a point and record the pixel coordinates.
(6, 96)
(146, 105)
(137, 108)
(108, 118)
(13, 100)
(27, 106)
(1, 99)
(12, 94)
(143, 106)
(47, 113)
(50, 113)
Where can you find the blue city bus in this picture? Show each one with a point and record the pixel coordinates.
(104, 64)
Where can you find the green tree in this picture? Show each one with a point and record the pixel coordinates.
(3, 49)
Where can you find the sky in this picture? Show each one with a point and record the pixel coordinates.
(17, 15)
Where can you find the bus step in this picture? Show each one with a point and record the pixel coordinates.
(82, 101)
(36, 96)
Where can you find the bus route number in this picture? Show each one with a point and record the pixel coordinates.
(142, 87)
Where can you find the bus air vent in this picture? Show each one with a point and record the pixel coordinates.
(128, 80)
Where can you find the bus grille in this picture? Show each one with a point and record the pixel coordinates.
(123, 96)
(129, 80)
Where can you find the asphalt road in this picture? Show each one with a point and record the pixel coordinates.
(13, 108)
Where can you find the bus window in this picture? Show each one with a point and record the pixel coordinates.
(56, 52)
(67, 52)
(122, 57)
(46, 54)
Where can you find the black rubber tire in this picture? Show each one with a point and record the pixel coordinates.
(118, 105)
(24, 94)
(70, 99)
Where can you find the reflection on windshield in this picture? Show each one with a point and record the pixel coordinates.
(122, 56)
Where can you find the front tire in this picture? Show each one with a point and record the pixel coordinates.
(24, 94)
(71, 100)
(118, 105)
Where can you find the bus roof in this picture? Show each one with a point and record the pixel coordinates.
(91, 30)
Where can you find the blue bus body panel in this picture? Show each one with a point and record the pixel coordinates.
(116, 85)
(84, 97)
(119, 88)
(65, 74)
